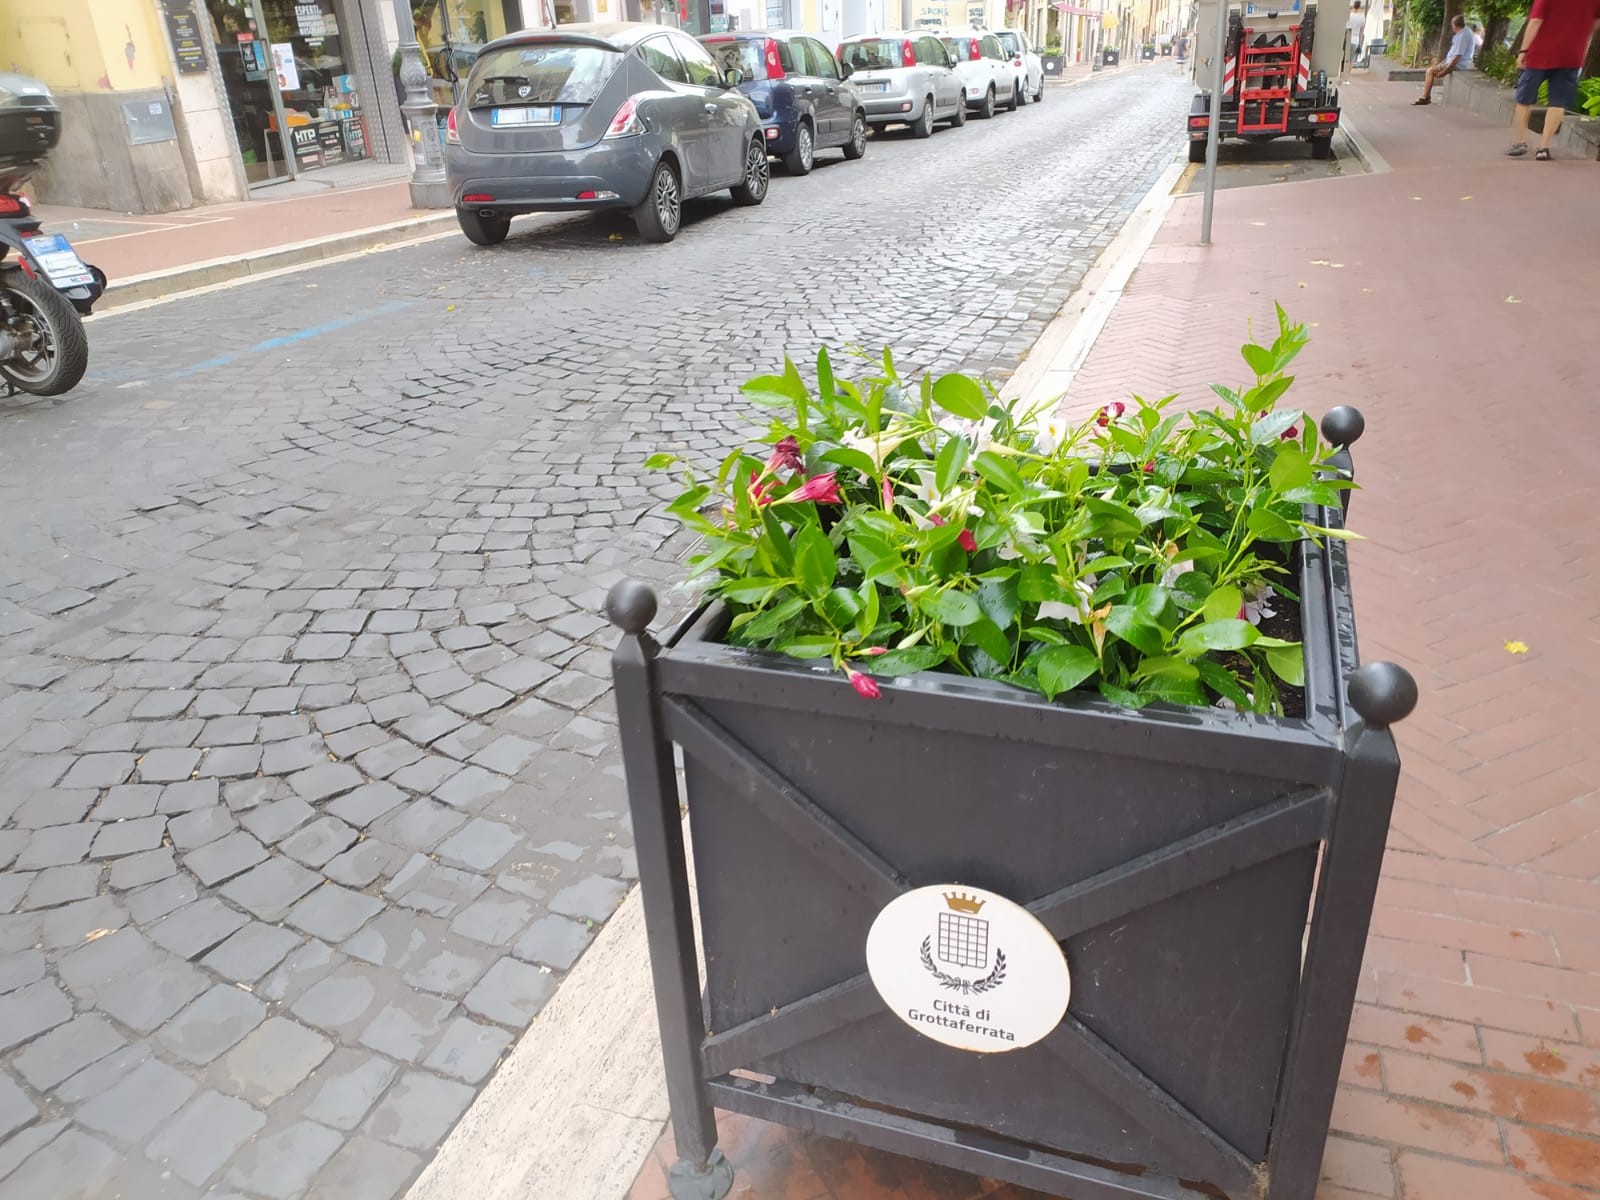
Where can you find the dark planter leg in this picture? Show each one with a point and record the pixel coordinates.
(1382, 694)
(701, 1172)
(1342, 426)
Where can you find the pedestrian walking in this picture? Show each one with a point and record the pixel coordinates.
(1357, 25)
(1554, 47)
(1463, 49)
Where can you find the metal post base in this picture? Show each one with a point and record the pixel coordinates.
(710, 1180)
(430, 194)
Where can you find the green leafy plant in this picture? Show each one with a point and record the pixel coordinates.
(1589, 97)
(894, 526)
(1499, 64)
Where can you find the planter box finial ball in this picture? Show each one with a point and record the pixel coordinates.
(630, 606)
(1382, 693)
(1343, 425)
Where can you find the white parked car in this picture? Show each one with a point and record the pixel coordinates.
(1025, 58)
(985, 70)
(904, 79)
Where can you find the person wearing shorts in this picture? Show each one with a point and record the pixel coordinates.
(1463, 48)
(1554, 46)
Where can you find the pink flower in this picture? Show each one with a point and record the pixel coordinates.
(865, 685)
(1289, 434)
(937, 519)
(1110, 413)
(1150, 467)
(761, 489)
(968, 542)
(786, 454)
(888, 493)
(820, 488)
(874, 651)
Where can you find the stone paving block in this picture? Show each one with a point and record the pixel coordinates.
(204, 1135)
(153, 995)
(478, 845)
(274, 821)
(364, 1169)
(468, 1051)
(280, 1165)
(511, 993)
(72, 1166)
(304, 966)
(340, 1003)
(188, 796)
(479, 699)
(230, 762)
(566, 851)
(128, 800)
(418, 1110)
(521, 675)
(222, 860)
(463, 637)
(471, 788)
(347, 1087)
(594, 898)
(251, 952)
(242, 795)
(429, 725)
(139, 869)
(212, 1024)
(98, 771)
(56, 846)
(344, 716)
(166, 703)
(441, 684)
(288, 727)
(297, 754)
(272, 1060)
(405, 1027)
(574, 690)
(195, 928)
(447, 972)
(16, 1150)
(16, 1110)
(100, 1076)
(201, 826)
(168, 766)
(158, 899)
(230, 731)
(270, 890)
(61, 885)
(349, 743)
(66, 1050)
(320, 647)
(317, 843)
(490, 614)
(334, 913)
(506, 755)
(329, 779)
(366, 804)
(117, 954)
(17, 970)
(132, 1107)
(554, 941)
(71, 925)
(364, 863)
(127, 837)
(426, 775)
(48, 808)
(420, 825)
(495, 918)
(432, 888)
(13, 887)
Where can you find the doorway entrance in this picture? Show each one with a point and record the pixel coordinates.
(300, 89)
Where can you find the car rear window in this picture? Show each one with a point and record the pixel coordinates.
(872, 54)
(541, 73)
(960, 48)
(1009, 41)
(746, 56)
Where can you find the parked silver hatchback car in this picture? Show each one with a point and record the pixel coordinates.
(904, 79)
(623, 115)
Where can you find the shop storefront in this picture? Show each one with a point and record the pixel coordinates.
(303, 90)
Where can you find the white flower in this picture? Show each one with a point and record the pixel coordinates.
(1170, 575)
(1078, 614)
(1256, 608)
(876, 446)
(1049, 433)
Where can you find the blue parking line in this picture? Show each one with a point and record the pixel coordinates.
(288, 339)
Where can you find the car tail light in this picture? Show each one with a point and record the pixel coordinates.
(477, 198)
(1199, 122)
(451, 133)
(1017, 61)
(974, 50)
(626, 123)
(1325, 118)
(908, 56)
(774, 63)
(10, 205)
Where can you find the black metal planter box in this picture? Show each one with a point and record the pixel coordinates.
(1209, 876)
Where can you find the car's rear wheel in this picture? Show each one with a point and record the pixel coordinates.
(1016, 98)
(960, 119)
(857, 145)
(922, 127)
(1022, 90)
(481, 229)
(757, 174)
(1038, 96)
(987, 110)
(798, 161)
(660, 213)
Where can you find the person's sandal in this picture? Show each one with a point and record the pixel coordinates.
(1518, 149)
(1422, 100)
(1541, 155)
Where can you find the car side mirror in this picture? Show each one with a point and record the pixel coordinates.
(732, 78)
(846, 70)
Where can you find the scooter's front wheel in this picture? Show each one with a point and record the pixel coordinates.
(48, 349)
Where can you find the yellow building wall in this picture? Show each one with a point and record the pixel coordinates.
(84, 45)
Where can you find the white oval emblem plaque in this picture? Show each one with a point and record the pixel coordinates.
(968, 968)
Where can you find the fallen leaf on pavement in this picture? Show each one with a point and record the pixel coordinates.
(1517, 647)
(1512, 300)
(1466, 197)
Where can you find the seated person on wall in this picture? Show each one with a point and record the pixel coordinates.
(1463, 47)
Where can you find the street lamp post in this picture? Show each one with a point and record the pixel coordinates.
(428, 186)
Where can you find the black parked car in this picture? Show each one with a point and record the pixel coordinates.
(800, 91)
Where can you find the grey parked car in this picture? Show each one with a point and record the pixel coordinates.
(624, 115)
(905, 79)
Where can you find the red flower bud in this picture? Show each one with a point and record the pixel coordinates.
(1110, 413)
(1150, 467)
(820, 488)
(1290, 434)
(888, 493)
(786, 454)
(968, 542)
(874, 651)
(865, 685)
(937, 519)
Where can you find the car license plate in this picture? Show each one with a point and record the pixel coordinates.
(58, 260)
(874, 87)
(526, 116)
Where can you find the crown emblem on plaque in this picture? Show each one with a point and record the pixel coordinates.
(962, 903)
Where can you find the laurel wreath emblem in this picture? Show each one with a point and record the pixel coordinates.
(988, 983)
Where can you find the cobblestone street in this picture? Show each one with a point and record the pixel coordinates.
(306, 752)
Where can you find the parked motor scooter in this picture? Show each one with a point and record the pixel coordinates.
(45, 288)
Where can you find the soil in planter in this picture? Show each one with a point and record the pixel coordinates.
(1283, 623)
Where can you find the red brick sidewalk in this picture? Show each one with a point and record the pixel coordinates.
(1452, 301)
